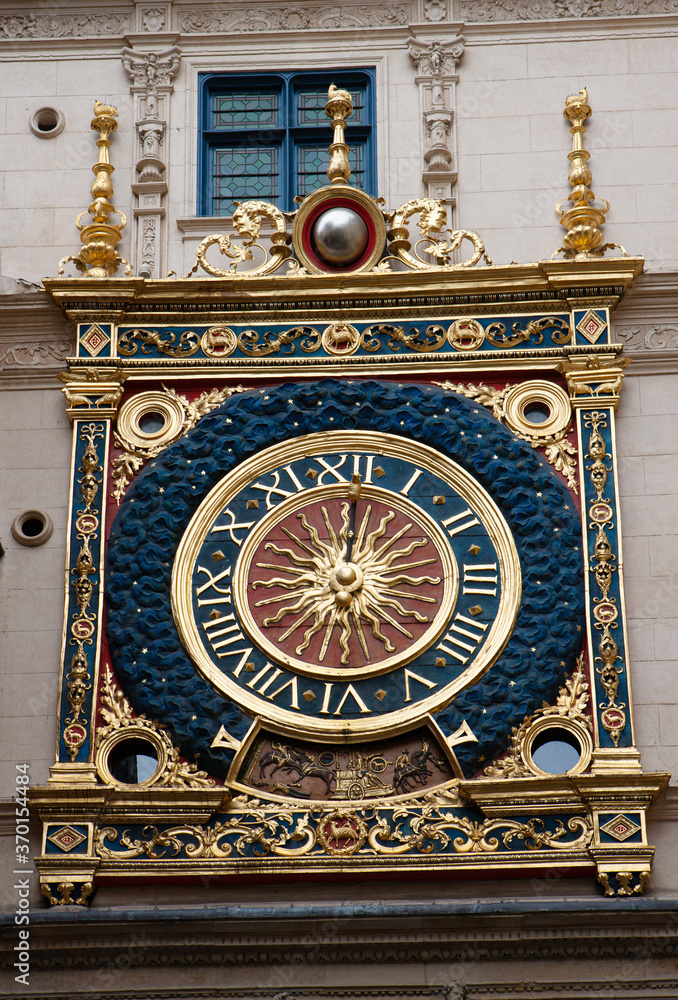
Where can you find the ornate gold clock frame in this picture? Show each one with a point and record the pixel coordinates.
(326, 576)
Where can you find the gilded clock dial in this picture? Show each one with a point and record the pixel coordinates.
(346, 588)
(332, 612)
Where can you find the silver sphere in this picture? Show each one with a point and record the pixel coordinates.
(340, 236)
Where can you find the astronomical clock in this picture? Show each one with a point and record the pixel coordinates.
(345, 583)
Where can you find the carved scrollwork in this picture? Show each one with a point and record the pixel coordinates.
(429, 340)
(133, 340)
(432, 222)
(533, 331)
(257, 829)
(571, 703)
(121, 724)
(247, 219)
(249, 341)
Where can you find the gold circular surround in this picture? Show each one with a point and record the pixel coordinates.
(267, 525)
(219, 342)
(329, 194)
(557, 722)
(466, 334)
(307, 446)
(133, 411)
(109, 741)
(540, 393)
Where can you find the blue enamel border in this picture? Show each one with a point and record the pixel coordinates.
(157, 674)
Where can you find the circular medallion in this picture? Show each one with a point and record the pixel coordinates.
(339, 228)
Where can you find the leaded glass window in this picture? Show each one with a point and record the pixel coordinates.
(267, 137)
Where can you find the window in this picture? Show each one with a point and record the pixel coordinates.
(266, 137)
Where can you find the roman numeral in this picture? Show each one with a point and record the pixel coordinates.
(212, 582)
(408, 486)
(410, 676)
(269, 680)
(369, 462)
(275, 487)
(350, 690)
(331, 470)
(480, 573)
(231, 634)
(231, 528)
(457, 629)
(459, 523)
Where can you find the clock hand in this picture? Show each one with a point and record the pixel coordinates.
(353, 496)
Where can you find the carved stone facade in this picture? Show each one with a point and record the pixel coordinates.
(436, 63)
(151, 74)
(470, 97)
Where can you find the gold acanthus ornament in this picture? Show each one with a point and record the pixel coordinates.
(571, 704)
(133, 455)
(280, 830)
(98, 258)
(558, 450)
(122, 725)
(248, 216)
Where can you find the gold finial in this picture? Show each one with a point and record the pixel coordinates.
(98, 257)
(582, 222)
(338, 108)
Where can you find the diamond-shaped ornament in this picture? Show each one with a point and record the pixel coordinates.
(67, 838)
(621, 827)
(94, 340)
(591, 326)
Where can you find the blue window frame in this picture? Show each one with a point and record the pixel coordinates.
(266, 137)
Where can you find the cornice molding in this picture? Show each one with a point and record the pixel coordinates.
(646, 323)
(547, 933)
(543, 990)
(35, 339)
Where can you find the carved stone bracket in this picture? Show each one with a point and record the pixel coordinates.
(436, 63)
(594, 379)
(92, 392)
(151, 74)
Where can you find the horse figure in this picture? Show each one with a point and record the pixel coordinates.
(289, 761)
(409, 773)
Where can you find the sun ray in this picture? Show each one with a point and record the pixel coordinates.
(379, 532)
(414, 581)
(328, 635)
(291, 609)
(360, 633)
(361, 531)
(310, 581)
(292, 556)
(412, 597)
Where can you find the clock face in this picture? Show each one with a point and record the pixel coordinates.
(345, 582)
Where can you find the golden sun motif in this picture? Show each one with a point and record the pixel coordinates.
(334, 583)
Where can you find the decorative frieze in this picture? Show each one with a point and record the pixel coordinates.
(20, 25)
(648, 337)
(243, 18)
(544, 10)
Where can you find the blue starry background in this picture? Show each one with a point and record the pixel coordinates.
(150, 661)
